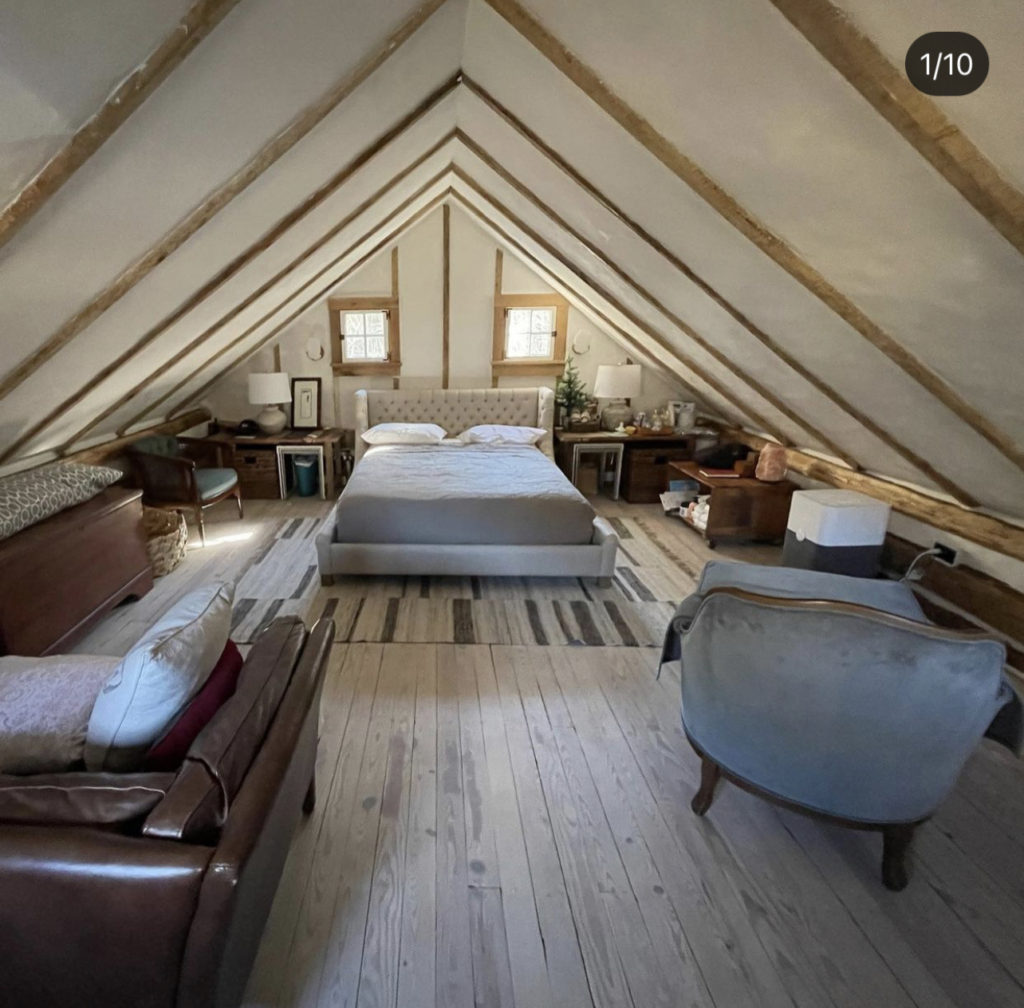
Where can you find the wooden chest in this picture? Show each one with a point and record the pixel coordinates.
(645, 470)
(256, 466)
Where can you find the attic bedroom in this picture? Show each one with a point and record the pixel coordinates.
(511, 503)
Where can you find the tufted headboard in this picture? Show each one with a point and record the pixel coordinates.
(456, 409)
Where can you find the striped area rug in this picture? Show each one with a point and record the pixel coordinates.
(650, 579)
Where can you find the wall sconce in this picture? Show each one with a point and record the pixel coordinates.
(580, 342)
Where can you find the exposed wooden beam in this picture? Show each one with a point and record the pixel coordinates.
(446, 293)
(104, 450)
(220, 198)
(644, 133)
(914, 115)
(590, 308)
(705, 344)
(318, 296)
(994, 533)
(183, 351)
(200, 19)
(663, 342)
(263, 319)
(864, 419)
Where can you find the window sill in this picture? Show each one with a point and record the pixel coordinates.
(540, 367)
(391, 367)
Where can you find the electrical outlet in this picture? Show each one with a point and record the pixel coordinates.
(945, 554)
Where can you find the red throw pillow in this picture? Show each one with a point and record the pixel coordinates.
(168, 752)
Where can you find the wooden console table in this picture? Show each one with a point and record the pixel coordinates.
(740, 508)
(259, 463)
(645, 459)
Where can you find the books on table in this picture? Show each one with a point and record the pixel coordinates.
(719, 473)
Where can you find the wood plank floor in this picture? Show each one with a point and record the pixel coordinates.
(509, 825)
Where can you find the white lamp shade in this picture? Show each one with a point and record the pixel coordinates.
(270, 387)
(617, 381)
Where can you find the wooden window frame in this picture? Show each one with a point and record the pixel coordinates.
(500, 364)
(340, 366)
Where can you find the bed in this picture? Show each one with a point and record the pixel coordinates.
(461, 509)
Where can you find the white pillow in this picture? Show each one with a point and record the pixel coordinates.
(404, 433)
(501, 434)
(44, 710)
(156, 679)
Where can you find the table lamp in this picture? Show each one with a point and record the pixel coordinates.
(618, 382)
(270, 390)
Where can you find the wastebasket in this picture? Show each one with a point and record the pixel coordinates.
(306, 475)
(838, 531)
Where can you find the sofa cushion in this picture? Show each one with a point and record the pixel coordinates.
(81, 799)
(44, 710)
(30, 496)
(154, 682)
(169, 751)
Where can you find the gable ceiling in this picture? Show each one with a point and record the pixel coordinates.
(700, 179)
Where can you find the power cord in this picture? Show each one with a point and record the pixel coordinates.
(910, 574)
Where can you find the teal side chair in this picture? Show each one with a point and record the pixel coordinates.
(176, 474)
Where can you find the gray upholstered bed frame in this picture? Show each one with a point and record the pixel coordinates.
(455, 410)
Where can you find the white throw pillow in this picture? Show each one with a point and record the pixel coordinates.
(501, 434)
(404, 433)
(156, 679)
(44, 710)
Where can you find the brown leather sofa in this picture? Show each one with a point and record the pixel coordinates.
(153, 889)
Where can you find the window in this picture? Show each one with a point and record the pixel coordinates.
(364, 335)
(529, 333)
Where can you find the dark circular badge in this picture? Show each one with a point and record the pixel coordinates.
(947, 63)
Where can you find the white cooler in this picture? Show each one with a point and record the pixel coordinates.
(839, 531)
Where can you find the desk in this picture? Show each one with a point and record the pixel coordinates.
(740, 508)
(259, 461)
(645, 459)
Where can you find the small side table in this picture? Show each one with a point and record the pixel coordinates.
(313, 449)
(604, 451)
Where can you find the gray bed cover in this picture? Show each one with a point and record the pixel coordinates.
(471, 494)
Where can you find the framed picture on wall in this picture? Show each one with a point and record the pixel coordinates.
(305, 403)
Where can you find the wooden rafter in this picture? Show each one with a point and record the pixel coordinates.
(201, 18)
(706, 345)
(106, 449)
(625, 337)
(318, 296)
(306, 207)
(659, 146)
(150, 407)
(865, 420)
(913, 114)
(220, 198)
(985, 530)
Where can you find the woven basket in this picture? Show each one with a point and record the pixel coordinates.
(166, 536)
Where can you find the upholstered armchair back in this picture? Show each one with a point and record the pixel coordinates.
(842, 709)
(456, 409)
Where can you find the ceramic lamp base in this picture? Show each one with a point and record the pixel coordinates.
(272, 420)
(616, 413)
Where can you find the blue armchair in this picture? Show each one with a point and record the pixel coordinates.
(834, 696)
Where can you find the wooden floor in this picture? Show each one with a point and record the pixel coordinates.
(504, 825)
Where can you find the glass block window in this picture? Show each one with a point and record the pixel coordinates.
(529, 333)
(365, 335)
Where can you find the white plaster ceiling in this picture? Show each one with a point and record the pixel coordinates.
(732, 85)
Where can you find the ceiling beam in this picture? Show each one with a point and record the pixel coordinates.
(706, 345)
(263, 319)
(917, 118)
(660, 147)
(866, 421)
(321, 293)
(656, 337)
(574, 296)
(266, 156)
(201, 18)
(993, 533)
(103, 450)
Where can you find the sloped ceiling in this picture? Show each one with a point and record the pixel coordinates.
(698, 177)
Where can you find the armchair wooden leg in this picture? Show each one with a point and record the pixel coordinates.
(309, 802)
(895, 846)
(238, 501)
(202, 527)
(709, 777)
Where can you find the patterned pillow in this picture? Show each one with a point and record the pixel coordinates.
(30, 496)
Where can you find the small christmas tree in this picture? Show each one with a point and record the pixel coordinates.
(570, 392)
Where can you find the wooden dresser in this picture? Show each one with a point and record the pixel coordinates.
(58, 577)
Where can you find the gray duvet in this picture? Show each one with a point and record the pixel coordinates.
(472, 494)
